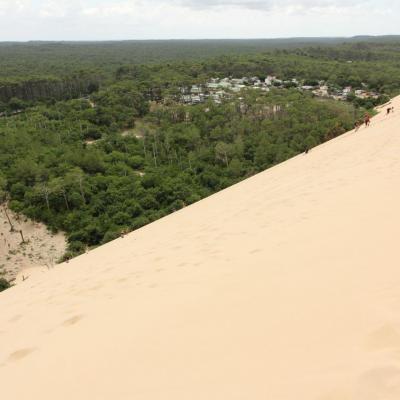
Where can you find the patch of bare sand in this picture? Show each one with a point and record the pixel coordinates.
(141, 129)
(35, 251)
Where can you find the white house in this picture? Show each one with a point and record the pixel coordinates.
(196, 89)
(213, 85)
(347, 90)
(269, 80)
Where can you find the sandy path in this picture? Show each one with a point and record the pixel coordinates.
(40, 251)
(285, 286)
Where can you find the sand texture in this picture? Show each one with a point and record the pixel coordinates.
(39, 252)
(283, 287)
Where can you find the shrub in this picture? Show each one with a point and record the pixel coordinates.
(4, 284)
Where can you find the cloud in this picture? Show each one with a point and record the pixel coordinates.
(54, 9)
(273, 5)
(144, 19)
(145, 9)
(90, 8)
(122, 8)
(16, 6)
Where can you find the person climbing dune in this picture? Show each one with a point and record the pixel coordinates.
(367, 120)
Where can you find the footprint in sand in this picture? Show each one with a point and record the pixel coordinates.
(20, 354)
(152, 286)
(385, 337)
(182, 264)
(15, 319)
(72, 321)
(95, 288)
(255, 251)
(379, 383)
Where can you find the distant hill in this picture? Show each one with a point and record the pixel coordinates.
(42, 57)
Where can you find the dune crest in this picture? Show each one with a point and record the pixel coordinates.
(285, 286)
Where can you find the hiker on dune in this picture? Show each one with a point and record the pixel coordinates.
(367, 120)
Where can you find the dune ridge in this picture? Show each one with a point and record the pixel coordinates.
(285, 286)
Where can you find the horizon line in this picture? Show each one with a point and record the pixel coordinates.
(200, 39)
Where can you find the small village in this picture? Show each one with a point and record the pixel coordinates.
(219, 89)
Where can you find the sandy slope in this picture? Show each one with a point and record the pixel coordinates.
(284, 287)
(41, 249)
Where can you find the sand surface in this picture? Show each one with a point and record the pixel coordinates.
(283, 287)
(40, 251)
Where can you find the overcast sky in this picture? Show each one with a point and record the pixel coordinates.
(174, 19)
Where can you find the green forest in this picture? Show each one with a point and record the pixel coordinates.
(100, 146)
(38, 71)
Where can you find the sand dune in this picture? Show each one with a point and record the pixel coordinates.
(283, 287)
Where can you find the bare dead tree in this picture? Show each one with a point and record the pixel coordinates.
(8, 218)
(80, 181)
(155, 156)
(22, 236)
(46, 193)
